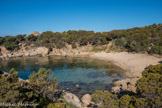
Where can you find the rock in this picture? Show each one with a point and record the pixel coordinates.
(64, 54)
(128, 84)
(42, 50)
(26, 53)
(18, 54)
(132, 88)
(3, 50)
(9, 55)
(116, 89)
(35, 33)
(71, 98)
(86, 100)
(67, 88)
(77, 86)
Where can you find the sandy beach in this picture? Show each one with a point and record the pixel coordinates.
(134, 63)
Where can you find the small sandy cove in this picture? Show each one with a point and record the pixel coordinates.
(134, 63)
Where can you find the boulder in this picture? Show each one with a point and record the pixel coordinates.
(86, 100)
(71, 98)
(26, 53)
(35, 33)
(3, 50)
(42, 50)
(116, 89)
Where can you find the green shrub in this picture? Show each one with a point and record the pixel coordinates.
(105, 99)
(156, 50)
(126, 102)
(32, 38)
(12, 91)
(150, 85)
(11, 45)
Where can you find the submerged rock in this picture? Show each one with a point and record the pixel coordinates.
(77, 86)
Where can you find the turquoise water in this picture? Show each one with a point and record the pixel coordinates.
(89, 74)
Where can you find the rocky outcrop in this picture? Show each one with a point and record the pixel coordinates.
(3, 50)
(35, 33)
(128, 84)
(26, 52)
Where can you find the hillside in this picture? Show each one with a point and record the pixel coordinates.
(139, 39)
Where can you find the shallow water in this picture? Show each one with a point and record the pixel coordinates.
(89, 74)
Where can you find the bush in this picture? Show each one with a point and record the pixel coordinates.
(32, 38)
(11, 91)
(43, 80)
(156, 50)
(150, 85)
(105, 99)
(11, 45)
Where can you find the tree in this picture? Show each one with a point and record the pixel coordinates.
(11, 91)
(43, 80)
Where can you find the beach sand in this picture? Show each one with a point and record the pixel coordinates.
(134, 63)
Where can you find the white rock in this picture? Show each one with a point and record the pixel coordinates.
(71, 98)
(86, 99)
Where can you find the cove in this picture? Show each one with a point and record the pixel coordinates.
(77, 75)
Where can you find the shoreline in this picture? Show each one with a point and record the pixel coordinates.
(132, 63)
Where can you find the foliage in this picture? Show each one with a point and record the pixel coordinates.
(156, 50)
(143, 39)
(32, 38)
(125, 101)
(11, 45)
(105, 99)
(99, 48)
(12, 92)
(44, 81)
(150, 85)
(61, 105)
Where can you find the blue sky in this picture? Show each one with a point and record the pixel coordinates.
(26, 16)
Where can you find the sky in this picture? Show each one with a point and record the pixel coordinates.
(26, 16)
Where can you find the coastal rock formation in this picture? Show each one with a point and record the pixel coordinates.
(125, 85)
(24, 52)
